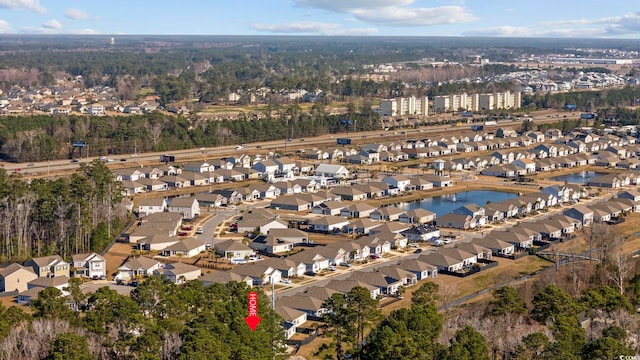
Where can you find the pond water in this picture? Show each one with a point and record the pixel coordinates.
(578, 178)
(445, 204)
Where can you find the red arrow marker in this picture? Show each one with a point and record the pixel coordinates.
(253, 319)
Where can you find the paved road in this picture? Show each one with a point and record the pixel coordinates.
(222, 214)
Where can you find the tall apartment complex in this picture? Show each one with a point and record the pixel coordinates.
(477, 102)
(405, 106)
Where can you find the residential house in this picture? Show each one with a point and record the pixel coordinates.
(293, 318)
(232, 196)
(328, 223)
(313, 261)
(189, 207)
(328, 208)
(224, 277)
(270, 244)
(417, 216)
(147, 206)
(293, 236)
(421, 233)
(388, 285)
(421, 269)
(267, 190)
(442, 262)
(580, 212)
(210, 199)
(153, 184)
(179, 273)
(137, 267)
(49, 266)
(263, 225)
(286, 266)
(156, 242)
(387, 213)
(91, 265)
(231, 249)
(59, 282)
(498, 247)
(349, 193)
(295, 202)
(198, 167)
(285, 165)
(358, 210)
(361, 226)
(15, 278)
(195, 179)
(266, 167)
(456, 221)
(400, 182)
(332, 171)
(187, 247)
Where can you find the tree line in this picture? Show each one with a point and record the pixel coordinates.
(504, 328)
(42, 137)
(76, 214)
(158, 320)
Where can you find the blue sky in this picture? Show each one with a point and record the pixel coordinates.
(541, 18)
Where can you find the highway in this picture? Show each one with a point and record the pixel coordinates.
(62, 167)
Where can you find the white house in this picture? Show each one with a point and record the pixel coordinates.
(187, 207)
(148, 206)
(333, 171)
(398, 181)
(90, 265)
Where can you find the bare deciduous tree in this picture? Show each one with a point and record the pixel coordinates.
(154, 131)
(619, 265)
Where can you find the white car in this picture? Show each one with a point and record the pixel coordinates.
(239, 147)
(414, 245)
(285, 281)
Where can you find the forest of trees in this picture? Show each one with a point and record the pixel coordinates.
(38, 138)
(506, 327)
(158, 321)
(610, 102)
(161, 320)
(76, 214)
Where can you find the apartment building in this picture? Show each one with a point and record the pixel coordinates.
(418, 106)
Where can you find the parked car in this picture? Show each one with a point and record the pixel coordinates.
(199, 231)
(285, 281)
(331, 268)
(418, 251)
(183, 234)
(74, 160)
(310, 273)
(345, 264)
(374, 256)
(414, 245)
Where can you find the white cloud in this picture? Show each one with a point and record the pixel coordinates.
(519, 31)
(406, 16)
(52, 24)
(5, 27)
(393, 12)
(312, 27)
(627, 24)
(76, 14)
(50, 31)
(30, 5)
(349, 5)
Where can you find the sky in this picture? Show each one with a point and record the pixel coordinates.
(507, 18)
